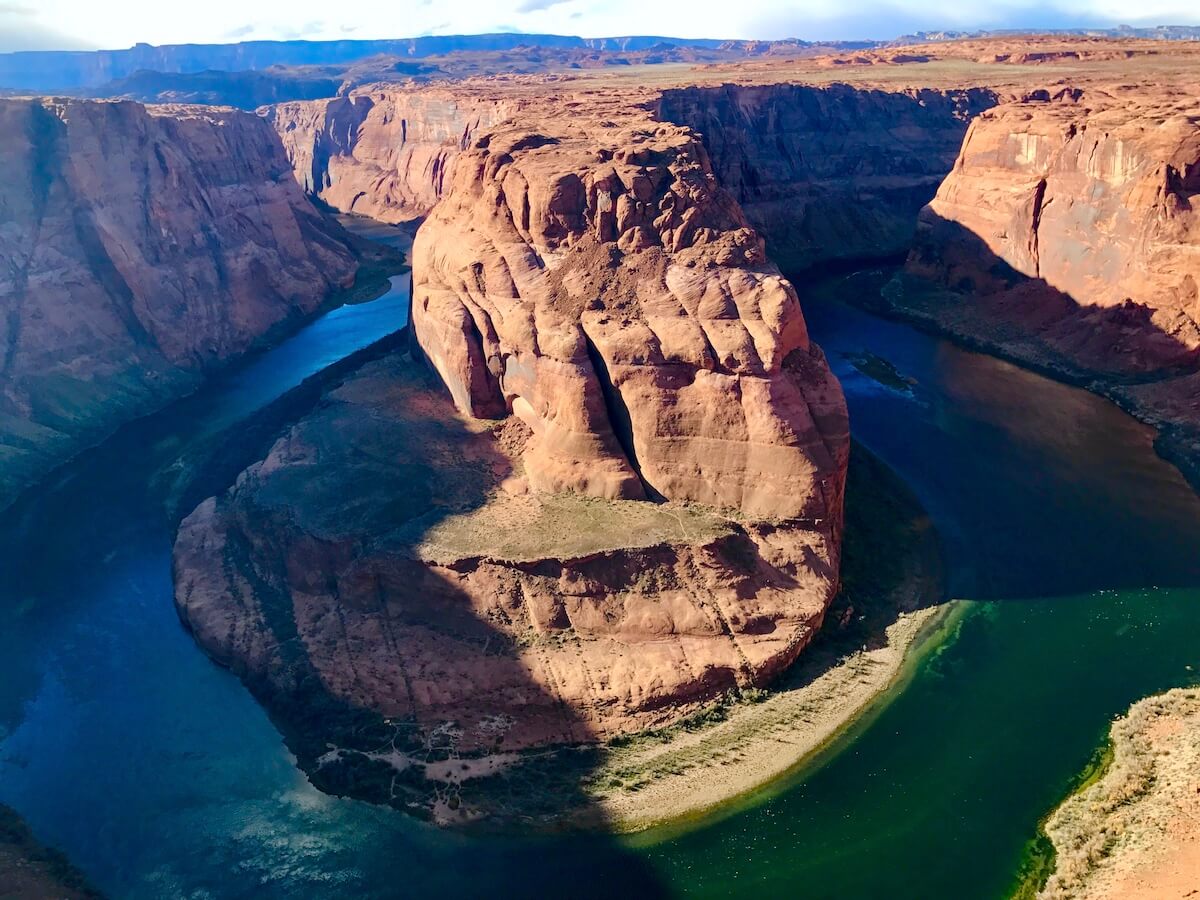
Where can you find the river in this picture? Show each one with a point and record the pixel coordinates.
(1075, 545)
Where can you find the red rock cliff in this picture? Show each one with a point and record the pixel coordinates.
(828, 173)
(382, 153)
(1085, 203)
(1067, 237)
(597, 281)
(139, 246)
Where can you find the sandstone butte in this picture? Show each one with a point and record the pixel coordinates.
(139, 248)
(406, 580)
(485, 571)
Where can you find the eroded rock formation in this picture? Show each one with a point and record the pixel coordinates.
(139, 247)
(463, 576)
(599, 283)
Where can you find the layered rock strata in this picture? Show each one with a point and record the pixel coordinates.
(626, 502)
(824, 173)
(1068, 237)
(139, 247)
(385, 153)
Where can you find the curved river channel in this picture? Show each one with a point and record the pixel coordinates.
(1076, 548)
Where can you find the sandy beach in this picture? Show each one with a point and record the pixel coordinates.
(657, 780)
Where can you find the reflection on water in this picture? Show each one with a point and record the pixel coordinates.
(1039, 488)
(161, 777)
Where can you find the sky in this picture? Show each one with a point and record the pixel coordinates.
(60, 24)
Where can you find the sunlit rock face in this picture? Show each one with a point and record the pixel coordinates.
(385, 153)
(138, 248)
(614, 494)
(595, 280)
(1077, 212)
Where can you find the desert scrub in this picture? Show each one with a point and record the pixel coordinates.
(1118, 820)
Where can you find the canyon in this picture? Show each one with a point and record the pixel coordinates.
(592, 288)
(141, 248)
(599, 492)
(826, 173)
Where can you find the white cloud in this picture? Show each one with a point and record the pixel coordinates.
(21, 29)
(120, 23)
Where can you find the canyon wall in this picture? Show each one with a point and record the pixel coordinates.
(617, 496)
(825, 173)
(382, 153)
(828, 173)
(139, 248)
(1067, 238)
(1076, 214)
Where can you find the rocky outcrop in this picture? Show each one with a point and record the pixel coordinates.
(1067, 238)
(1134, 833)
(599, 283)
(139, 247)
(384, 153)
(467, 578)
(1078, 212)
(832, 173)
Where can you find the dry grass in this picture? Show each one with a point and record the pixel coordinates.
(526, 528)
(1135, 831)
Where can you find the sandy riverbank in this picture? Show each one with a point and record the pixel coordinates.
(890, 609)
(1134, 833)
(690, 773)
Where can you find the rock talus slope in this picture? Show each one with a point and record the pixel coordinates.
(138, 248)
(627, 502)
